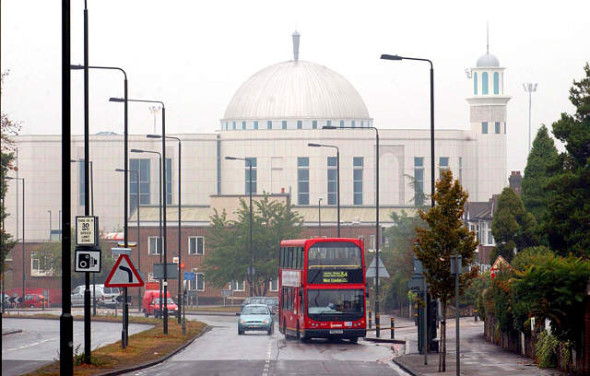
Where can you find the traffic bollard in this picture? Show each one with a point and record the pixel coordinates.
(370, 319)
(392, 327)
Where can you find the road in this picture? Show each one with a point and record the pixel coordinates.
(38, 343)
(222, 352)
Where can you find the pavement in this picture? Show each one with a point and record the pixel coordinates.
(477, 356)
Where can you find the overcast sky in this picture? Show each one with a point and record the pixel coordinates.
(194, 55)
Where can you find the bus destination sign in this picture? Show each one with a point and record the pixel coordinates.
(335, 276)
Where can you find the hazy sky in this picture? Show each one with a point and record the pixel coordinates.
(194, 55)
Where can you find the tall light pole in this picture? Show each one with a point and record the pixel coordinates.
(22, 238)
(320, 217)
(49, 211)
(377, 227)
(251, 269)
(529, 88)
(163, 295)
(137, 178)
(337, 175)
(163, 183)
(179, 217)
(398, 58)
(154, 110)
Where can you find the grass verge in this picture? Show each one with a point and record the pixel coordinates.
(145, 347)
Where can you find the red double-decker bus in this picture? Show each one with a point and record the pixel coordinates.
(322, 289)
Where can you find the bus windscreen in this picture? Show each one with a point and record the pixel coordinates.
(335, 305)
(334, 263)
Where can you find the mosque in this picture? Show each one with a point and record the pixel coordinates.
(271, 121)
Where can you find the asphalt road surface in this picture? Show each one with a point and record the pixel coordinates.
(222, 352)
(38, 343)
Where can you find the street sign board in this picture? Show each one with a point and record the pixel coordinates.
(226, 293)
(171, 271)
(371, 272)
(189, 276)
(86, 231)
(87, 260)
(416, 283)
(124, 274)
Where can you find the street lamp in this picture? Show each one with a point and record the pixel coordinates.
(377, 227)
(137, 178)
(162, 228)
(163, 183)
(85, 67)
(23, 237)
(179, 215)
(529, 88)
(251, 271)
(320, 217)
(49, 211)
(397, 58)
(337, 175)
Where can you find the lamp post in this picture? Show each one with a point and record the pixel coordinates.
(49, 211)
(163, 183)
(179, 216)
(163, 295)
(377, 227)
(529, 88)
(22, 238)
(320, 217)
(251, 269)
(137, 178)
(337, 175)
(398, 58)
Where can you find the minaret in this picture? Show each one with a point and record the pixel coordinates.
(487, 118)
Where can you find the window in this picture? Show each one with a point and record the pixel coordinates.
(329, 123)
(234, 125)
(362, 124)
(41, 265)
(497, 127)
(243, 125)
(475, 83)
(284, 124)
(372, 242)
(332, 181)
(81, 182)
(299, 124)
(314, 124)
(303, 181)
(484, 83)
(357, 182)
(496, 83)
(484, 127)
(352, 124)
(250, 178)
(236, 285)
(256, 125)
(287, 298)
(443, 164)
(154, 245)
(418, 181)
(199, 282)
(274, 284)
(196, 245)
(168, 181)
(143, 167)
(269, 124)
(341, 123)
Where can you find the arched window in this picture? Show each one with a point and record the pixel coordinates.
(475, 83)
(484, 83)
(496, 83)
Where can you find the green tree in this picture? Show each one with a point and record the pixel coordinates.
(444, 237)
(398, 257)
(272, 221)
(569, 197)
(513, 227)
(543, 155)
(8, 128)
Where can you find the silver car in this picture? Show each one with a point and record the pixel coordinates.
(105, 296)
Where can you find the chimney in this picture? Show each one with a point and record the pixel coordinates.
(515, 181)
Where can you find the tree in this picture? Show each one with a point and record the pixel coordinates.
(398, 257)
(444, 237)
(568, 201)
(543, 155)
(513, 227)
(272, 221)
(8, 128)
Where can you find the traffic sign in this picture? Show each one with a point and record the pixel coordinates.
(171, 271)
(124, 274)
(86, 231)
(189, 276)
(87, 260)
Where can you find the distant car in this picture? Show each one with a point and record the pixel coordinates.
(35, 301)
(272, 303)
(105, 296)
(255, 317)
(151, 304)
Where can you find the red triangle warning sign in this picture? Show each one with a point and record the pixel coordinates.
(124, 274)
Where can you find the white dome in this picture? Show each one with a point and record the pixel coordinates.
(487, 60)
(296, 90)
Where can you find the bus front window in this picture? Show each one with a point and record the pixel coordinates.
(335, 305)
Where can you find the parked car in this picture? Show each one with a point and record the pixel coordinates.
(35, 301)
(151, 304)
(255, 317)
(105, 296)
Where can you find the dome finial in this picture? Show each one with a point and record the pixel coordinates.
(487, 37)
(296, 37)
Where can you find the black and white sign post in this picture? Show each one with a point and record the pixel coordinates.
(87, 261)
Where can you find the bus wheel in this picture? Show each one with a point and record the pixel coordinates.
(354, 340)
